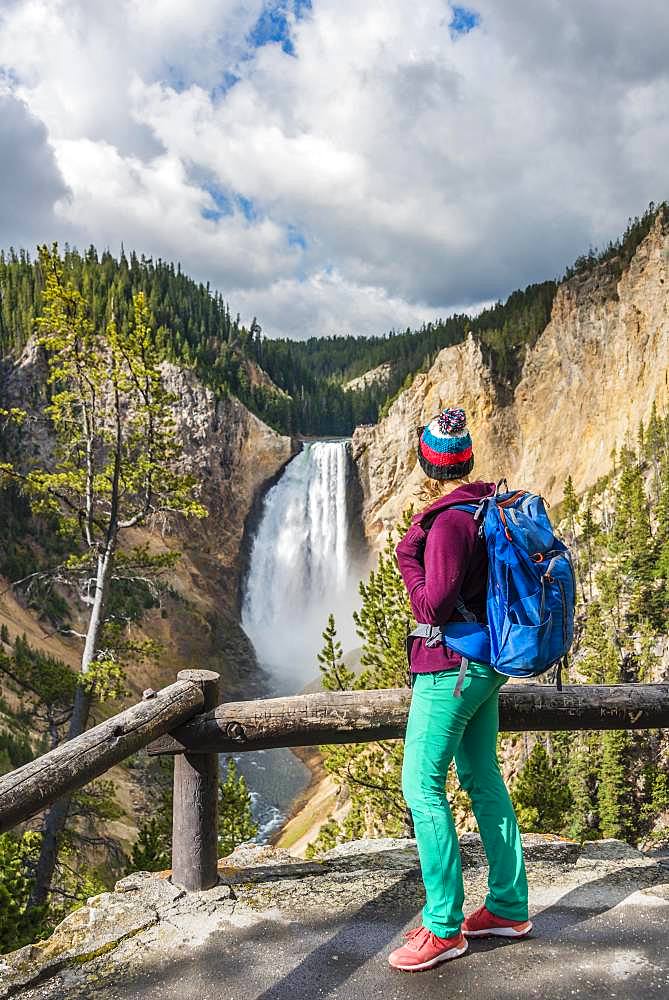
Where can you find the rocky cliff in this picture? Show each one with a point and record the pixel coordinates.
(587, 382)
(233, 455)
(381, 374)
(277, 927)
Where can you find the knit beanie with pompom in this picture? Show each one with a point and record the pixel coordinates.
(445, 447)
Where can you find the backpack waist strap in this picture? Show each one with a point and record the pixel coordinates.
(433, 637)
(431, 634)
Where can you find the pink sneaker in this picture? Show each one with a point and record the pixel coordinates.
(482, 922)
(424, 949)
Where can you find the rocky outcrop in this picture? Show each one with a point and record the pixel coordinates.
(271, 913)
(385, 453)
(380, 374)
(585, 385)
(232, 454)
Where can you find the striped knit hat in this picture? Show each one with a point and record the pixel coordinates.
(445, 447)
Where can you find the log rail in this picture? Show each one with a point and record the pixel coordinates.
(72, 764)
(360, 716)
(186, 720)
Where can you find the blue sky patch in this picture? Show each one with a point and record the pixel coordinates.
(175, 78)
(273, 25)
(247, 207)
(221, 201)
(464, 20)
(296, 238)
(226, 83)
(227, 204)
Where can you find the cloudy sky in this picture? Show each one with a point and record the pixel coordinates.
(334, 165)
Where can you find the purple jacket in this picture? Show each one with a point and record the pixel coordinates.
(441, 558)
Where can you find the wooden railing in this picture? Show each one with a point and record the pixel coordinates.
(187, 721)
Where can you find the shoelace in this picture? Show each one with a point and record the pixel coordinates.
(413, 934)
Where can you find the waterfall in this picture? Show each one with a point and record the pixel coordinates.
(300, 568)
(300, 565)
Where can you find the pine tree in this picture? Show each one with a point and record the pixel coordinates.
(582, 778)
(570, 507)
(20, 921)
(647, 657)
(384, 621)
(600, 660)
(613, 795)
(335, 676)
(115, 466)
(611, 591)
(540, 795)
(589, 534)
(632, 540)
(235, 821)
(655, 446)
(654, 434)
(152, 850)
(17, 924)
(662, 534)
(660, 792)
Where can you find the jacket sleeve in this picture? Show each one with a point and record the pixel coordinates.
(433, 566)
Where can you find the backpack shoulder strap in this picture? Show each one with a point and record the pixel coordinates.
(472, 508)
(468, 615)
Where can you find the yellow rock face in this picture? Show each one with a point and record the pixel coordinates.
(590, 378)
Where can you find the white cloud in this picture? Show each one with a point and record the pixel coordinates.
(153, 209)
(326, 304)
(385, 173)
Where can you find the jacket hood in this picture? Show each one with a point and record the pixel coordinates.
(468, 493)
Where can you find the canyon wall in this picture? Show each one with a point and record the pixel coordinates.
(233, 454)
(585, 385)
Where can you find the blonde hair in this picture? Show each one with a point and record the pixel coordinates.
(431, 489)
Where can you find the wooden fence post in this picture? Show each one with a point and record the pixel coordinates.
(195, 809)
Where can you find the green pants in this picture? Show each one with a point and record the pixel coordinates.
(439, 728)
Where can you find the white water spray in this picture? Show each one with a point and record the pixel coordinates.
(301, 566)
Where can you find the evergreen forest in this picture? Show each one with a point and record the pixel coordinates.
(305, 392)
(67, 556)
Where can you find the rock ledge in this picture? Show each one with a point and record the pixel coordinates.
(146, 920)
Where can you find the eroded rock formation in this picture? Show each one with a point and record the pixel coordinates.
(585, 385)
(232, 454)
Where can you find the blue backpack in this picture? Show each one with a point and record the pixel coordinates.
(530, 596)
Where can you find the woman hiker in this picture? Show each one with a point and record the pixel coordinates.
(444, 565)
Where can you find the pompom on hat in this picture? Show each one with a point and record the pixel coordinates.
(445, 447)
